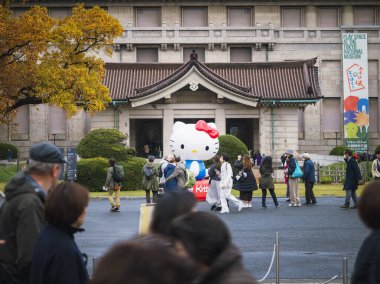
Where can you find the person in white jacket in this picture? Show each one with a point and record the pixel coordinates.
(226, 186)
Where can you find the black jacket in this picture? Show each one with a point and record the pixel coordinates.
(57, 259)
(367, 264)
(246, 184)
(352, 175)
(21, 221)
(291, 166)
(227, 269)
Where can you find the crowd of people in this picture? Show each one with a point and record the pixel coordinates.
(39, 218)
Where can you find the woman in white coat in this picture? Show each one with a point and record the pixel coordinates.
(226, 186)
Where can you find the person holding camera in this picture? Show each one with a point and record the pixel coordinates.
(245, 180)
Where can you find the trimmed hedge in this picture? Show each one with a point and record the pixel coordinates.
(92, 173)
(326, 180)
(377, 148)
(4, 151)
(107, 143)
(230, 145)
(339, 151)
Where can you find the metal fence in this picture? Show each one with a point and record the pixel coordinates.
(337, 174)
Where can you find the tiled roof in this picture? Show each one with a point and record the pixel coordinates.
(289, 80)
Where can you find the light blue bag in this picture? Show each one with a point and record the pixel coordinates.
(297, 172)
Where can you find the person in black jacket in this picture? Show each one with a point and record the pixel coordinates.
(22, 213)
(295, 199)
(57, 259)
(245, 181)
(309, 179)
(367, 264)
(353, 176)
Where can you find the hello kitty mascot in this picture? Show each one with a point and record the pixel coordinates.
(195, 143)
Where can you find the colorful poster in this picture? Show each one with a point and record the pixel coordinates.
(355, 88)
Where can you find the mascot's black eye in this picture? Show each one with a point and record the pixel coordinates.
(182, 146)
(207, 147)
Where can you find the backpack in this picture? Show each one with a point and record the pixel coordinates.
(118, 173)
(148, 172)
(189, 179)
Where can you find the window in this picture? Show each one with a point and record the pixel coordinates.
(331, 115)
(328, 16)
(373, 115)
(57, 120)
(365, 16)
(20, 129)
(301, 120)
(59, 13)
(200, 51)
(18, 11)
(194, 17)
(292, 17)
(240, 54)
(239, 17)
(148, 17)
(146, 55)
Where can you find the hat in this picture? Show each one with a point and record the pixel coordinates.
(290, 152)
(46, 153)
(306, 156)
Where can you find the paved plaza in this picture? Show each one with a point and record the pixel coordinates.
(313, 240)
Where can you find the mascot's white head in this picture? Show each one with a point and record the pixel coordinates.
(194, 141)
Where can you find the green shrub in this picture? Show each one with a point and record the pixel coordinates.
(92, 173)
(377, 148)
(107, 143)
(230, 145)
(4, 151)
(339, 150)
(133, 173)
(326, 180)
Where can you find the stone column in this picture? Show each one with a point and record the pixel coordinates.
(348, 16)
(220, 120)
(168, 121)
(311, 16)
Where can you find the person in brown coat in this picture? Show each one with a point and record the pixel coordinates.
(204, 238)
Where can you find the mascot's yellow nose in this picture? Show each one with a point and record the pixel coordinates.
(194, 151)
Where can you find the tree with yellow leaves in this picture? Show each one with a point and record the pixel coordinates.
(45, 60)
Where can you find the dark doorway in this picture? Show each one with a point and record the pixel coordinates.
(242, 128)
(193, 120)
(148, 137)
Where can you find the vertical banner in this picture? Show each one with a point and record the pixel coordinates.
(355, 87)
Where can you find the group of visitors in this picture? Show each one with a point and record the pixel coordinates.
(33, 252)
(183, 246)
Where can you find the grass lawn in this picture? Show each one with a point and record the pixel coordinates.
(320, 190)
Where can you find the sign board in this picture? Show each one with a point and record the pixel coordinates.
(355, 88)
(62, 174)
(71, 167)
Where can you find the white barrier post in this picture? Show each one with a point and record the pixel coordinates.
(277, 259)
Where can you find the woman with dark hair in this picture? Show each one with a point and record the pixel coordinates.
(367, 264)
(246, 182)
(213, 193)
(169, 207)
(226, 186)
(57, 259)
(206, 240)
(144, 262)
(266, 181)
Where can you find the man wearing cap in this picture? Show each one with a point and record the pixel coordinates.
(22, 213)
(309, 179)
(293, 182)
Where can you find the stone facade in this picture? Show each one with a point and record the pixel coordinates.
(268, 39)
